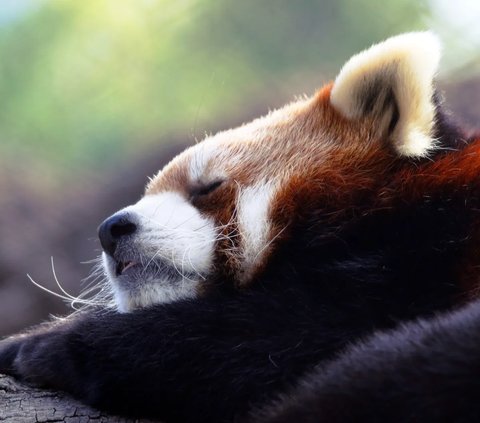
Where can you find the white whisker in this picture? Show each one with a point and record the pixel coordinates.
(97, 293)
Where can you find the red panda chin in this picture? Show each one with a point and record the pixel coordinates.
(139, 285)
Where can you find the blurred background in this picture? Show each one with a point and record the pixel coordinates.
(96, 95)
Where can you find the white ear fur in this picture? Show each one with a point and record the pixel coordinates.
(403, 67)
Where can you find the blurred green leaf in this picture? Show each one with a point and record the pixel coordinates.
(84, 82)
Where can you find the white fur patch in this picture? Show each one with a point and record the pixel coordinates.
(253, 204)
(150, 294)
(407, 65)
(172, 227)
(202, 154)
(169, 230)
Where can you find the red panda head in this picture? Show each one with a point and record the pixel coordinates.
(221, 210)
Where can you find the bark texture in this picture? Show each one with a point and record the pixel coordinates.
(20, 403)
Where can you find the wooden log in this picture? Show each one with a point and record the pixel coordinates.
(20, 403)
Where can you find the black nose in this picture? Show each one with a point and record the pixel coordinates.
(114, 228)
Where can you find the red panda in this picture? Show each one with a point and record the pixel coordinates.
(264, 250)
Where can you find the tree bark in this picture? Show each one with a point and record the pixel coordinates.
(20, 403)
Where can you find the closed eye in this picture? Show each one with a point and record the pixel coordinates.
(206, 189)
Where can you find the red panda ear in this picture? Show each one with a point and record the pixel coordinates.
(393, 82)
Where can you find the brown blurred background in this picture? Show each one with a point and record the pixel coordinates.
(96, 95)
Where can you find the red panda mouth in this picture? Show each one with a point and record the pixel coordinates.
(133, 271)
(123, 266)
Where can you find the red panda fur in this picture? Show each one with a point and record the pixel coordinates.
(368, 219)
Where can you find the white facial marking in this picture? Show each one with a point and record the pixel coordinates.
(174, 244)
(253, 205)
(172, 227)
(202, 155)
(152, 294)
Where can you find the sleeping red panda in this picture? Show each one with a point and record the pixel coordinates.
(263, 251)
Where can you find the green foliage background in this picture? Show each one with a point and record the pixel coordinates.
(83, 83)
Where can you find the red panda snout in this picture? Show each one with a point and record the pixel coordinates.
(167, 256)
(113, 229)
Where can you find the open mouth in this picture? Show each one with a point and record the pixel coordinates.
(123, 266)
(135, 271)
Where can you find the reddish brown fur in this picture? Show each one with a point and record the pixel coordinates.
(319, 161)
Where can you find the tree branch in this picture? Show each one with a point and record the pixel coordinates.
(20, 403)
